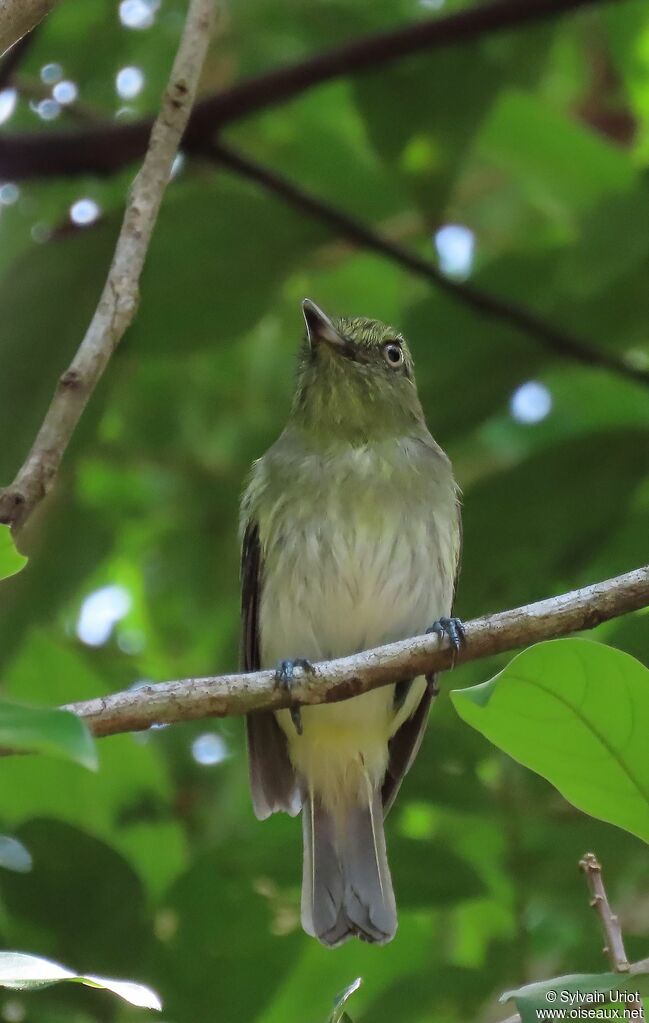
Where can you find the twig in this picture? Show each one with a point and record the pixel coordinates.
(189, 699)
(614, 941)
(552, 338)
(104, 151)
(614, 947)
(18, 17)
(119, 299)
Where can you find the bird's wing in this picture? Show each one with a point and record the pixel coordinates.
(404, 744)
(272, 780)
(403, 748)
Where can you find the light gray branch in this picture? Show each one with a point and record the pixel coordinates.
(188, 699)
(18, 17)
(119, 299)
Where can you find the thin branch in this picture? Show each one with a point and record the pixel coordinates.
(614, 947)
(119, 299)
(104, 151)
(189, 699)
(614, 941)
(556, 340)
(18, 17)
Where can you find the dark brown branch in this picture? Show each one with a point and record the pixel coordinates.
(556, 340)
(105, 150)
(189, 699)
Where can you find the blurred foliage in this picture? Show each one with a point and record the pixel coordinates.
(154, 867)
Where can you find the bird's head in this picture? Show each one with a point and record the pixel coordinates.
(355, 379)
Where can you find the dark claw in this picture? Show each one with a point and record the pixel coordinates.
(284, 677)
(451, 627)
(454, 629)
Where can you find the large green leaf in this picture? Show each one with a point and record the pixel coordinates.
(22, 972)
(577, 712)
(56, 733)
(10, 560)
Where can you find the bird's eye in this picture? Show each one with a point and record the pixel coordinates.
(393, 354)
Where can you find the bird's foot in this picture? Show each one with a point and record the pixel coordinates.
(453, 628)
(284, 676)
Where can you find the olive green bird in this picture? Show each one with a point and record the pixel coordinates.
(350, 538)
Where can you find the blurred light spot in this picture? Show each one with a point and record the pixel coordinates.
(50, 73)
(455, 246)
(129, 82)
(8, 99)
(125, 113)
(131, 641)
(138, 14)
(14, 1011)
(177, 165)
(432, 5)
(40, 232)
(65, 92)
(84, 211)
(9, 193)
(48, 109)
(100, 612)
(165, 924)
(637, 357)
(209, 749)
(530, 403)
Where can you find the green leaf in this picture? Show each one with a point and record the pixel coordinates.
(339, 1015)
(23, 972)
(14, 856)
(56, 733)
(10, 560)
(576, 712)
(565, 992)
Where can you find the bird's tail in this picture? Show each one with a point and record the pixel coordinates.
(346, 884)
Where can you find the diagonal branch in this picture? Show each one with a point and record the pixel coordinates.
(189, 699)
(18, 17)
(119, 299)
(104, 150)
(553, 338)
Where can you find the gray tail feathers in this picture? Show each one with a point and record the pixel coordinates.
(346, 884)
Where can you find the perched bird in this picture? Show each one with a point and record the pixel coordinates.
(350, 538)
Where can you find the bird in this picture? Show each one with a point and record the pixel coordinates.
(350, 538)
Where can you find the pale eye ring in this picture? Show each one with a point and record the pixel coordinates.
(393, 354)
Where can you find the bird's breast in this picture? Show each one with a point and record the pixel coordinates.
(362, 556)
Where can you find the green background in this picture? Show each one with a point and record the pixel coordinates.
(155, 868)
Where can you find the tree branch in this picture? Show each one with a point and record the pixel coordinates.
(555, 340)
(614, 947)
(105, 150)
(13, 58)
(614, 941)
(18, 17)
(189, 699)
(119, 299)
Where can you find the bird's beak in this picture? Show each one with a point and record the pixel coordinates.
(319, 327)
